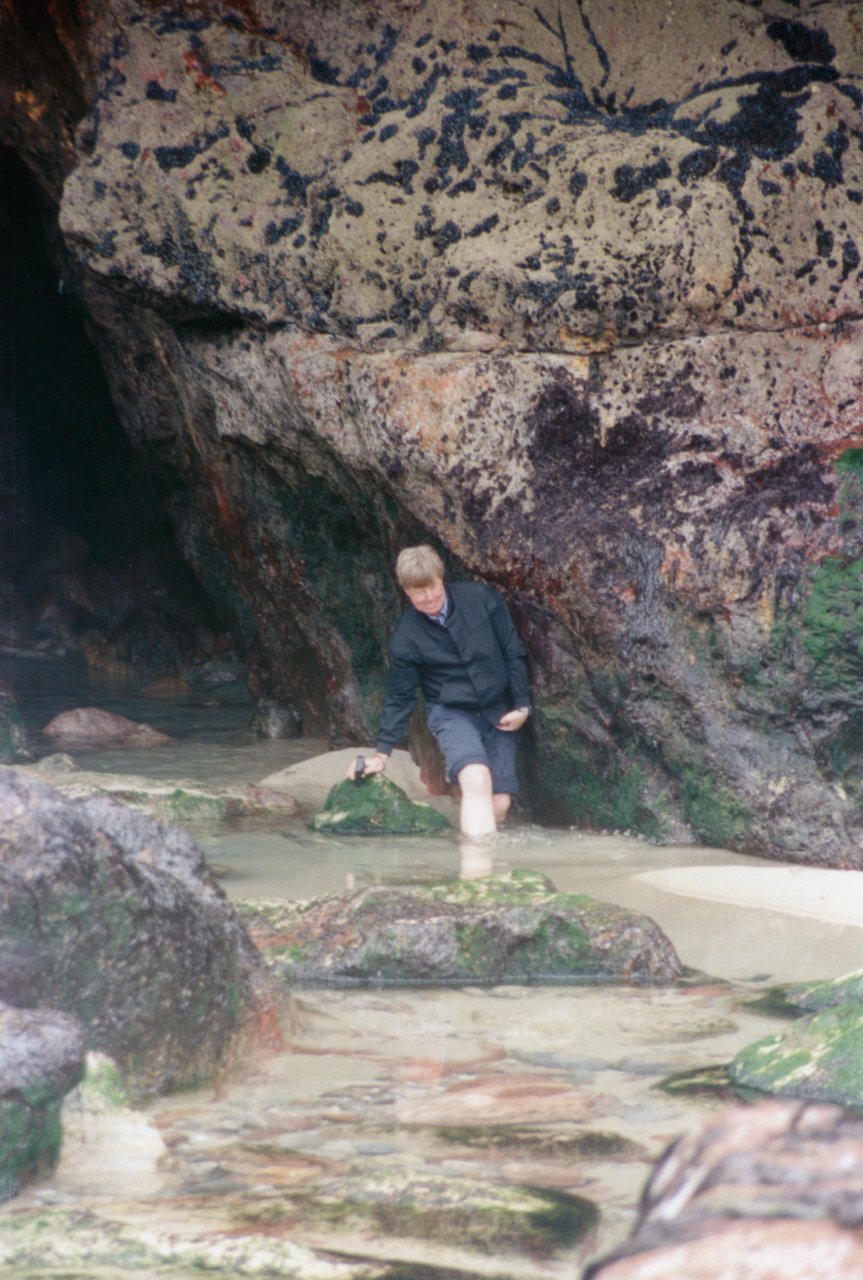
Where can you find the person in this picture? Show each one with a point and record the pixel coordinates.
(457, 643)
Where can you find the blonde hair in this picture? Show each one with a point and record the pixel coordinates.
(418, 566)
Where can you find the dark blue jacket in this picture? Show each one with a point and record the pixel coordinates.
(475, 663)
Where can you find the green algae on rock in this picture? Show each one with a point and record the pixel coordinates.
(67, 1243)
(41, 1059)
(507, 928)
(490, 1218)
(107, 914)
(792, 999)
(819, 1057)
(376, 807)
(183, 801)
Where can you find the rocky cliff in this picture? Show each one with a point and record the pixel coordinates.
(572, 289)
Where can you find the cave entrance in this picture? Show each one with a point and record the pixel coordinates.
(85, 544)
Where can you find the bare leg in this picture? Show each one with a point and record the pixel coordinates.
(477, 809)
(501, 800)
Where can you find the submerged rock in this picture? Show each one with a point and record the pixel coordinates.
(56, 765)
(761, 1192)
(375, 806)
(820, 1057)
(497, 1219)
(112, 916)
(92, 727)
(78, 1244)
(41, 1059)
(509, 928)
(180, 800)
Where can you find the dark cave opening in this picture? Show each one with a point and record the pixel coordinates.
(85, 543)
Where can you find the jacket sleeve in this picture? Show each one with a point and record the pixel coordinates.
(514, 652)
(400, 700)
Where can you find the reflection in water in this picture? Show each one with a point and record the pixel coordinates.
(476, 857)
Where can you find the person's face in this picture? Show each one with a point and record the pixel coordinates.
(429, 598)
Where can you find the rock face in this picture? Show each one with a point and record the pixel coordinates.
(14, 744)
(574, 291)
(760, 1193)
(513, 927)
(41, 1059)
(107, 914)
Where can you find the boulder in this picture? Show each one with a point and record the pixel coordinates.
(375, 806)
(819, 1057)
(41, 1058)
(14, 743)
(757, 1193)
(107, 914)
(92, 727)
(508, 928)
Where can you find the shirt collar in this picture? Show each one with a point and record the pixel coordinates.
(440, 618)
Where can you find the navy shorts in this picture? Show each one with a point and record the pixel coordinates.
(466, 737)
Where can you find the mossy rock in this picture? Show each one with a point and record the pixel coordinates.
(488, 1218)
(116, 918)
(508, 928)
(812, 997)
(376, 807)
(789, 1000)
(182, 801)
(819, 1057)
(41, 1059)
(64, 1244)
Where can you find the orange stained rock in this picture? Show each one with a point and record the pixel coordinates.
(678, 567)
(28, 101)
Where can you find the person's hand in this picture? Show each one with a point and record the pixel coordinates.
(513, 720)
(374, 764)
